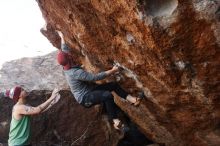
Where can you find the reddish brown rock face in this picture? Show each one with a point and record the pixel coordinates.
(169, 49)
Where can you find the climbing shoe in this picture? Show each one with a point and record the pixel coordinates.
(121, 127)
(141, 96)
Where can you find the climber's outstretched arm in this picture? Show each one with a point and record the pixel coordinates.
(64, 46)
(29, 110)
(56, 99)
(61, 36)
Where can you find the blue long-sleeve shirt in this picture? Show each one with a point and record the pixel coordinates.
(79, 80)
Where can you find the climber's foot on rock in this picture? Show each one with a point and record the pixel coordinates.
(135, 100)
(118, 125)
(140, 97)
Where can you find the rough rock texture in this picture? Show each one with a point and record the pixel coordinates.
(38, 73)
(65, 124)
(169, 49)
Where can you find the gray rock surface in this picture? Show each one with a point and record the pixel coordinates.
(38, 73)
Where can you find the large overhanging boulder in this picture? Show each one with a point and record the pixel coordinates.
(169, 49)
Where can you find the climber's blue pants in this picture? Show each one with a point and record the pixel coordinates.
(102, 94)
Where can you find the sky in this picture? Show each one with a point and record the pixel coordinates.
(20, 36)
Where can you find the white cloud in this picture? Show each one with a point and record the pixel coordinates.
(20, 35)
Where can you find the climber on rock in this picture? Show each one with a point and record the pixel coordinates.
(20, 126)
(86, 91)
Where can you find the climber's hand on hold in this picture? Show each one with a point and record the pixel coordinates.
(115, 69)
(61, 36)
(59, 33)
(119, 67)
